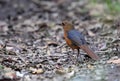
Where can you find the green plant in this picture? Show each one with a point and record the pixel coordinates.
(113, 5)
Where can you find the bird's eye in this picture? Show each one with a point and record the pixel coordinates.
(63, 23)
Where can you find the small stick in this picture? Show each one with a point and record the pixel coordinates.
(18, 54)
(60, 46)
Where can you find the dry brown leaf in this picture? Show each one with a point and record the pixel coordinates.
(115, 61)
(36, 71)
(90, 66)
(91, 33)
(61, 71)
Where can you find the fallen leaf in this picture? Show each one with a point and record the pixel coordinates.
(114, 61)
(70, 74)
(90, 33)
(53, 43)
(61, 71)
(36, 71)
(90, 66)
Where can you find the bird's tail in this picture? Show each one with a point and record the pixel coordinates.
(89, 52)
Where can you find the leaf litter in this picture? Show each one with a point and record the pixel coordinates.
(32, 45)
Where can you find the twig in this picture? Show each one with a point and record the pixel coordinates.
(60, 46)
(18, 54)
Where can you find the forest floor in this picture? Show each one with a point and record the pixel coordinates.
(32, 46)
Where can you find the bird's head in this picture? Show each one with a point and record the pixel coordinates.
(67, 26)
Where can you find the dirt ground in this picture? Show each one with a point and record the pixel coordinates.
(32, 46)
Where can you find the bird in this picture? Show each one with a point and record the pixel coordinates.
(75, 40)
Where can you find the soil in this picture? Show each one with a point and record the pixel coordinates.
(32, 46)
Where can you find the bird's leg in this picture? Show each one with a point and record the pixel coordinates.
(79, 58)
